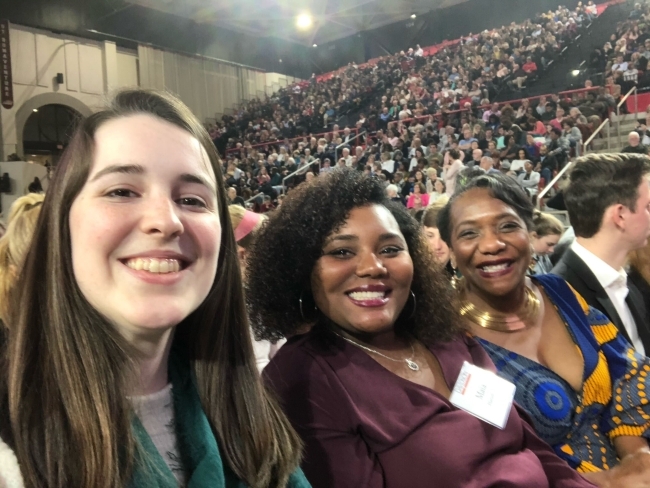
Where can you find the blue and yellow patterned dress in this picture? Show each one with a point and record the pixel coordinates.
(613, 402)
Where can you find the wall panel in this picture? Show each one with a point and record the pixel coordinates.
(23, 56)
(50, 58)
(71, 50)
(91, 71)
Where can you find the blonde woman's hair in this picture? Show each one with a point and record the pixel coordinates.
(430, 216)
(640, 261)
(21, 223)
(237, 213)
(545, 224)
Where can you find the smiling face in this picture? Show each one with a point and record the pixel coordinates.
(490, 243)
(144, 229)
(363, 279)
(438, 247)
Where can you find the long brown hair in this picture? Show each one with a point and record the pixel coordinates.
(66, 369)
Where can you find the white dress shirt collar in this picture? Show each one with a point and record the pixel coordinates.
(605, 274)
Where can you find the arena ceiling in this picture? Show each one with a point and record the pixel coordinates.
(332, 19)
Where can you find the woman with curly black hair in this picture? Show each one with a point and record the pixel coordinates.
(368, 387)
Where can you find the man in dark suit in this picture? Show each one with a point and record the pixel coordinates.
(608, 200)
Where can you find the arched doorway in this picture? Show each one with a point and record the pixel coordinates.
(47, 132)
(26, 111)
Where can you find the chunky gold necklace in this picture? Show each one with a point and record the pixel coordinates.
(498, 321)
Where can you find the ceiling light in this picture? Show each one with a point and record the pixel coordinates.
(575, 72)
(35, 110)
(413, 16)
(304, 21)
(315, 45)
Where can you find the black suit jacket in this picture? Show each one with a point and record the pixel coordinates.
(576, 272)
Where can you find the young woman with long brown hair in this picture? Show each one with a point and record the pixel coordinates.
(128, 360)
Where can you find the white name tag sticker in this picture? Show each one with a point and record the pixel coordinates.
(483, 394)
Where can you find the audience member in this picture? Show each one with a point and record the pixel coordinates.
(246, 225)
(545, 234)
(634, 144)
(578, 379)
(529, 179)
(131, 289)
(452, 166)
(419, 198)
(608, 199)
(437, 245)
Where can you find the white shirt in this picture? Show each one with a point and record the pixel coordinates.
(264, 351)
(450, 175)
(388, 165)
(517, 164)
(531, 184)
(156, 412)
(615, 284)
(413, 165)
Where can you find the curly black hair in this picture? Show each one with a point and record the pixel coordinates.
(291, 241)
(500, 186)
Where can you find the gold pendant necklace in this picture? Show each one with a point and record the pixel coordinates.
(410, 362)
(498, 321)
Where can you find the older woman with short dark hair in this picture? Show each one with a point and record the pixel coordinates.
(581, 382)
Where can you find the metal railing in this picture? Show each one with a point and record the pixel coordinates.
(254, 197)
(624, 99)
(298, 172)
(618, 111)
(606, 122)
(550, 185)
(279, 142)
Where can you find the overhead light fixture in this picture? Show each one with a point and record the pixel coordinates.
(575, 72)
(35, 110)
(413, 16)
(314, 45)
(304, 21)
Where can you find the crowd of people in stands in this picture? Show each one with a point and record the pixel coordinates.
(624, 58)
(421, 158)
(409, 101)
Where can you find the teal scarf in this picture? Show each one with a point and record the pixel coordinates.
(196, 443)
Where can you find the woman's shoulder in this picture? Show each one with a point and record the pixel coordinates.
(553, 281)
(10, 476)
(454, 353)
(303, 358)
